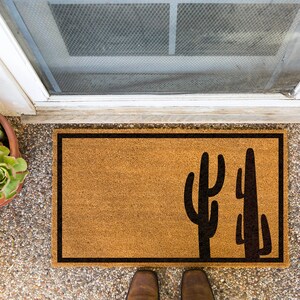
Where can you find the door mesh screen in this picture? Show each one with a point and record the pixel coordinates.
(113, 29)
(238, 30)
(115, 47)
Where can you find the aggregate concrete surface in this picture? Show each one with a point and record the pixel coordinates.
(25, 238)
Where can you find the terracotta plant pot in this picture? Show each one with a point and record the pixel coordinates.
(13, 147)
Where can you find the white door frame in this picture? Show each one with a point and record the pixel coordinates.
(19, 66)
(297, 92)
(13, 100)
(40, 107)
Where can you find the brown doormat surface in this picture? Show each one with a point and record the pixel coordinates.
(155, 197)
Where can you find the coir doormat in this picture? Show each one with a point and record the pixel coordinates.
(169, 198)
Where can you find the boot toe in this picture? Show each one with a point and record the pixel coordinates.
(144, 286)
(195, 286)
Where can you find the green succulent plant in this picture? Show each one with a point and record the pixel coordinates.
(12, 173)
(2, 134)
(3, 137)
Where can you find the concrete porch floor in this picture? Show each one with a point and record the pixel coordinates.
(25, 239)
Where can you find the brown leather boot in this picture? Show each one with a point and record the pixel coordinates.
(144, 286)
(195, 286)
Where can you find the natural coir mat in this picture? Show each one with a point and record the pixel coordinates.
(169, 198)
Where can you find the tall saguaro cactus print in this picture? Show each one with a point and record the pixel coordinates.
(250, 213)
(207, 226)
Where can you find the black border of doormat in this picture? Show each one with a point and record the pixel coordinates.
(279, 136)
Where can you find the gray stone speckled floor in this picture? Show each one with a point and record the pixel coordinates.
(25, 240)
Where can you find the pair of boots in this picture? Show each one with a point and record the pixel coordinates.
(194, 286)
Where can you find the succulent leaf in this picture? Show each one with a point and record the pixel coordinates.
(12, 194)
(5, 180)
(2, 175)
(2, 135)
(21, 176)
(13, 171)
(11, 187)
(10, 160)
(4, 186)
(4, 150)
(20, 165)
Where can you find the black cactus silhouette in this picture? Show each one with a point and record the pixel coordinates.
(206, 226)
(251, 223)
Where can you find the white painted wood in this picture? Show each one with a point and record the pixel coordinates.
(182, 110)
(297, 92)
(196, 116)
(172, 27)
(13, 100)
(176, 99)
(19, 66)
(284, 54)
